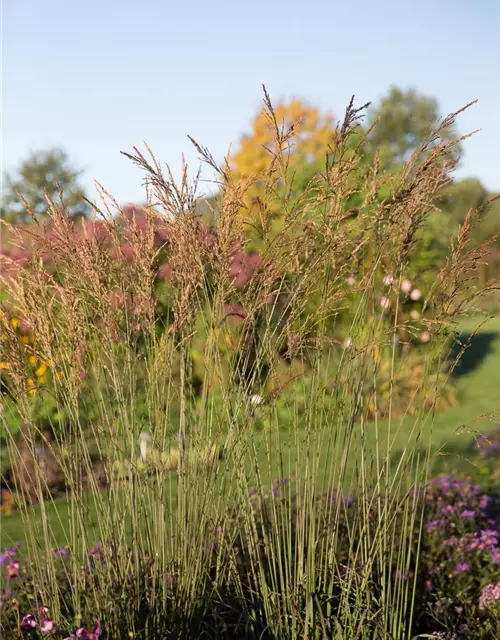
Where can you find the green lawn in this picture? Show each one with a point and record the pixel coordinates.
(478, 380)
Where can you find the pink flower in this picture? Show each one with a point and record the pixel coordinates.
(414, 314)
(44, 611)
(425, 336)
(164, 271)
(85, 634)
(406, 286)
(489, 596)
(389, 279)
(385, 302)
(351, 281)
(416, 294)
(47, 626)
(13, 569)
(29, 622)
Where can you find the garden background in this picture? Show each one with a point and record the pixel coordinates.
(261, 400)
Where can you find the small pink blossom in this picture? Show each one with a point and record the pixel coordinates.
(85, 634)
(416, 294)
(385, 302)
(351, 281)
(489, 596)
(47, 626)
(425, 337)
(44, 611)
(406, 286)
(414, 314)
(13, 569)
(389, 279)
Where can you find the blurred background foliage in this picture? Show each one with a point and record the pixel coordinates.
(392, 131)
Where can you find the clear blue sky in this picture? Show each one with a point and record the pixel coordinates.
(99, 76)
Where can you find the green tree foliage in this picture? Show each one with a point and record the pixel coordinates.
(43, 171)
(405, 119)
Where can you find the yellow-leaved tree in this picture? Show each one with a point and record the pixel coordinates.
(288, 144)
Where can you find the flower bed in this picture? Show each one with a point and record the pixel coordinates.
(457, 582)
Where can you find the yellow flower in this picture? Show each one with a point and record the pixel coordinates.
(30, 382)
(42, 379)
(24, 339)
(32, 360)
(4, 366)
(4, 336)
(41, 369)
(15, 322)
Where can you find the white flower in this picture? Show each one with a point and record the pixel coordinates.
(416, 294)
(425, 336)
(348, 342)
(385, 302)
(406, 286)
(389, 279)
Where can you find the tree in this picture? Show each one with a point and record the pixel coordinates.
(304, 151)
(405, 119)
(458, 198)
(43, 170)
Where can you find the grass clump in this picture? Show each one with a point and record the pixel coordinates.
(160, 384)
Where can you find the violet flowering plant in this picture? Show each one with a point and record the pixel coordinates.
(460, 552)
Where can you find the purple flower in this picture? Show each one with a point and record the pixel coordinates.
(488, 539)
(349, 501)
(495, 556)
(276, 484)
(29, 622)
(468, 513)
(61, 552)
(7, 554)
(450, 542)
(433, 524)
(484, 502)
(462, 567)
(170, 577)
(96, 552)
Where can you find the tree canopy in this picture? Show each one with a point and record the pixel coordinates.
(405, 118)
(42, 171)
